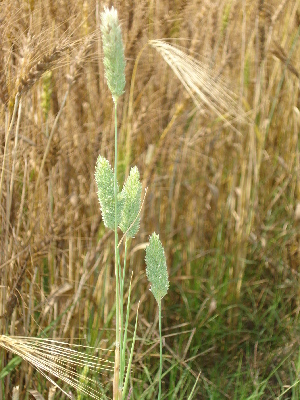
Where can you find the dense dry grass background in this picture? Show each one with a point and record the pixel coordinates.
(224, 200)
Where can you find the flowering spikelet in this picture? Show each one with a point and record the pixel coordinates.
(114, 59)
(104, 177)
(131, 195)
(157, 268)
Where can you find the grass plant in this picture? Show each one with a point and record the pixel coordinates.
(210, 119)
(123, 209)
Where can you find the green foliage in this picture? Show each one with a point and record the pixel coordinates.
(104, 177)
(114, 59)
(131, 195)
(157, 268)
(11, 366)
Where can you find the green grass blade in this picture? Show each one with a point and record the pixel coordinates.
(131, 357)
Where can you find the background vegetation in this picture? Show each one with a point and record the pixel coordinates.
(224, 199)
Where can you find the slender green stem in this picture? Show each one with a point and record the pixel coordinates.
(160, 349)
(131, 356)
(121, 324)
(126, 328)
(125, 256)
(194, 387)
(117, 353)
(123, 333)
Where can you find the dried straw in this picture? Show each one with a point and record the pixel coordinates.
(60, 360)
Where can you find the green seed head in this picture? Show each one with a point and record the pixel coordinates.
(131, 195)
(157, 268)
(114, 59)
(104, 177)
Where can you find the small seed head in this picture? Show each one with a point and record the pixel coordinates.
(114, 59)
(131, 195)
(104, 177)
(157, 268)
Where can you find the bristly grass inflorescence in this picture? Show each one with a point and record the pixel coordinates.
(157, 268)
(131, 202)
(128, 200)
(114, 60)
(104, 177)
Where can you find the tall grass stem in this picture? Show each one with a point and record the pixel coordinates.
(123, 330)
(117, 353)
(160, 350)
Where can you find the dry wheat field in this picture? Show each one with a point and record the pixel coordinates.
(211, 117)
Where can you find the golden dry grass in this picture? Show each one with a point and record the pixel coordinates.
(220, 193)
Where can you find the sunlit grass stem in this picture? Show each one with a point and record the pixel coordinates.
(160, 350)
(123, 329)
(117, 353)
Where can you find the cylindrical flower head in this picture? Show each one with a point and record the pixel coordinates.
(114, 59)
(131, 195)
(157, 268)
(104, 177)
